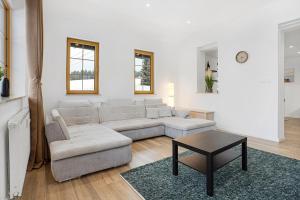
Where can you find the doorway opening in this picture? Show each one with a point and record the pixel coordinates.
(289, 82)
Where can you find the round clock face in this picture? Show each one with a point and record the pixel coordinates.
(241, 57)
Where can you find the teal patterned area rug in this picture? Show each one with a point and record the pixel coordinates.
(269, 176)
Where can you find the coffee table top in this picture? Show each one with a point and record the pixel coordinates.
(210, 142)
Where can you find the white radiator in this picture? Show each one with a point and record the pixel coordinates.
(19, 150)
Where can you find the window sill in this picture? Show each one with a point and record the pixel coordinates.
(4, 100)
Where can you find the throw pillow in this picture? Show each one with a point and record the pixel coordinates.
(152, 113)
(173, 112)
(156, 105)
(165, 111)
(140, 102)
(182, 113)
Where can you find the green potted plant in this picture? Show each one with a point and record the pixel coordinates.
(209, 82)
(4, 82)
(1, 76)
(1, 73)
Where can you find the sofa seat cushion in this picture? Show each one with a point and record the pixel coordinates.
(132, 124)
(186, 124)
(85, 139)
(85, 129)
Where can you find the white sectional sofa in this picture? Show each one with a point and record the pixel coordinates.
(86, 137)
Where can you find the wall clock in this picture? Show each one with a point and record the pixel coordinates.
(241, 57)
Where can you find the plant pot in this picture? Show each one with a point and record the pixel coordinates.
(1, 82)
(5, 87)
(209, 90)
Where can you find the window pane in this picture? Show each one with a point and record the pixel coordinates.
(143, 73)
(2, 34)
(2, 19)
(89, 84)
(75, 74)
(88, 65)
(76, 51)
(1, 72)
(75, 65)
(2, 50)
(89, 53)
(88, 75)
(82, 66)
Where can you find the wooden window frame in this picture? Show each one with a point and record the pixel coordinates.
(7, 16)
(96, 68)
(151, 54)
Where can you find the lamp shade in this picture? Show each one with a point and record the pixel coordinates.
(171, 90)
(171, 94)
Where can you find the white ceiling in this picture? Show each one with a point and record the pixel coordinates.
(166, 18)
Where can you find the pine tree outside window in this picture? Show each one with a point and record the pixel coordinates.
(144, 72)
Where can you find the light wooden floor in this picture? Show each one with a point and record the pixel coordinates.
(40, 185)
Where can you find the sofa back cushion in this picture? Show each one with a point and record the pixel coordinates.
(165, 111)
(156, 105)
(153, 101)
(79, 115)
(152, 113)
(140, 102)
(114, 113)
(96, 102)
(74, 103)
(119, 102)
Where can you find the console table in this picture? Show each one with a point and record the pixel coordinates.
(202, 114)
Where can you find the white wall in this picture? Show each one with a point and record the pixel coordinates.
(117, 44)
(7, 111)
(292, 90)
(18, 84)
(248, 100)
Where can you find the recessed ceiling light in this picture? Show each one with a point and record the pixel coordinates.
(291, 46)
(188, 21)
(298, 52)
(148, 5)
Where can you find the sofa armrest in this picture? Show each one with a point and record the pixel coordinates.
(54, 132)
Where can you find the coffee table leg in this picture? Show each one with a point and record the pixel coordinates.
(209, 175)
(175, 158)
(244, 155)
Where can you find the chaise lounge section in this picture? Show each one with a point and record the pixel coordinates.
(85, 137)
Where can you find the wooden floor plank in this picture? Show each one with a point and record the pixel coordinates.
(108, 184)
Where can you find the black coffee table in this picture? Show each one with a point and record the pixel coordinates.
(213, 150)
